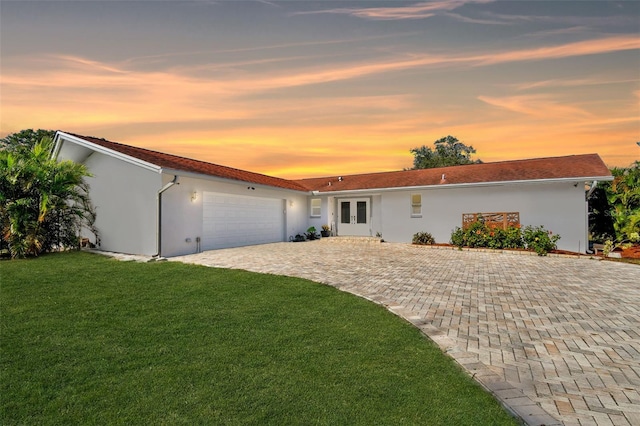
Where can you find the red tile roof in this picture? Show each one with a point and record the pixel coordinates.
(580, 167)
(195, 166)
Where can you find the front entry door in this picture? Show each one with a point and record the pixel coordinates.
(355, 215)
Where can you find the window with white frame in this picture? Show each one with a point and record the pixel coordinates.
(316, 204)
(416, 205)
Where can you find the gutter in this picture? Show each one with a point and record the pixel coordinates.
(158, 254)
(464, 185)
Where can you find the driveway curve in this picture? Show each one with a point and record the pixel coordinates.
(556, 339)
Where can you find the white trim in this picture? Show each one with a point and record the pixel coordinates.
(229, 180)
(467, 185)
(101, 149)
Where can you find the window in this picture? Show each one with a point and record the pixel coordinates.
(345, 212)
(315, 207)
(416, 205)
(361, 212)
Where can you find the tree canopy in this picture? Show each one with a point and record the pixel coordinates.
(24, 140)
(447, 151)
(43, 203)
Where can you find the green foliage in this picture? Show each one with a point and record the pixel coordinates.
(87, 340)
(615, 206)
(423, 238)
(624, 197)
(312, 233)
(539, 240)
(478, 234)
(24, 141)
(447, 151)
(43, 203)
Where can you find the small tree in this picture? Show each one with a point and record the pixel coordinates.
(447, 151)
(43, 203)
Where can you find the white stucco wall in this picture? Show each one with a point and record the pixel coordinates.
(182, 218)
(559, 207)
(124, 197)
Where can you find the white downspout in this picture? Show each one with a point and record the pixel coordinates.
(586, 208)
(158, 254)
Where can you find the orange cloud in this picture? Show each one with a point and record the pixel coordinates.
(415, 11)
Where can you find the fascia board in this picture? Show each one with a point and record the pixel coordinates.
(57, 144)
(467, 185)
(226, 180)
(106, 151)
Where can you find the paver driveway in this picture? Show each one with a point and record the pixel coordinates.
(543, 333)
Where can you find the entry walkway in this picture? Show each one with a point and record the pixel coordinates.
(556, 339)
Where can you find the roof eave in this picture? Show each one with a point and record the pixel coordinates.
(468, 185)
(101, 149)
(228, 180)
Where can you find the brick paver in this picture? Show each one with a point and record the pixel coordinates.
(556, 339)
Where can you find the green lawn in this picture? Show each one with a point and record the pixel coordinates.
(89, 340)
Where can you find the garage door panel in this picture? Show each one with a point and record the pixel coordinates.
(234, 220)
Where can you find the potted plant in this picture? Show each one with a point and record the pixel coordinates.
(298, 238)
(326, 231)
(311, 233)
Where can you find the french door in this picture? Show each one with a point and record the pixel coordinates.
(355, 216)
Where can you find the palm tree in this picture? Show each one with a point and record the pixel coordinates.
(43, 203)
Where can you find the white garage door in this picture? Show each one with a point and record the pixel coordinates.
(235, 220)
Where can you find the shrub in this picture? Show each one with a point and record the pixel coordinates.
(423, 238)
(457, 237)
(539, 239)
(480, 235)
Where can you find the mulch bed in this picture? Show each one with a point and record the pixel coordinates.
(632, 252)
(572, 253)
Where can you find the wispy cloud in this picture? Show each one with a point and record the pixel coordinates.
(267, 47)
(569, 20)
(560, 31)
(535, 105)
(593, 81)
(567, 50)
(470, 20)
(416, 11)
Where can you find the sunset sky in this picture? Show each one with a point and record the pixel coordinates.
(303, 88)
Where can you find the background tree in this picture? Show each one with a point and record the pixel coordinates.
(447, 151)
(24, 140)
(43, 203)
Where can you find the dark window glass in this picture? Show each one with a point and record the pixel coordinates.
(345, 212)
(362, 211)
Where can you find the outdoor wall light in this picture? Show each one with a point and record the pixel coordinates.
(290, 203)
(194, 196)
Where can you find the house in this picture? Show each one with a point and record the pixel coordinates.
(152, 203)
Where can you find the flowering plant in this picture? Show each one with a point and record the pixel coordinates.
(480, 235)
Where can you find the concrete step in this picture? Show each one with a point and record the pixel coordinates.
(351, 240)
